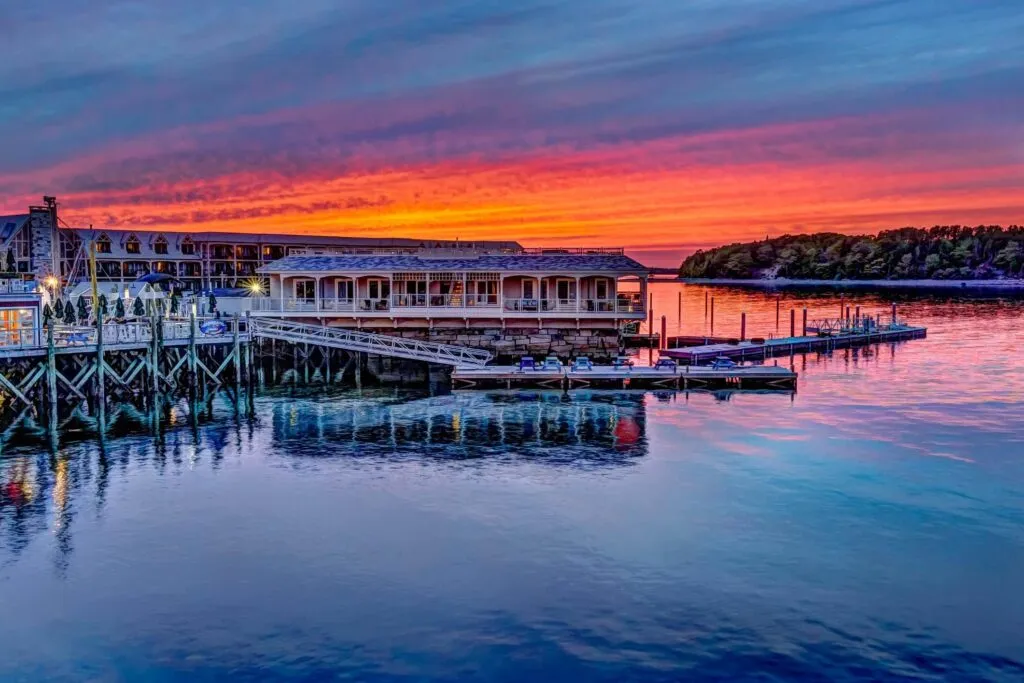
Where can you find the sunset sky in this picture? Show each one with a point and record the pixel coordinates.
(658, 125)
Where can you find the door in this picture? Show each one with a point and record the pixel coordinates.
(345, 290)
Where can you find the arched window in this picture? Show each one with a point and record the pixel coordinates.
(133, 245)
(160, 245)
(103, 244)
(188, 247)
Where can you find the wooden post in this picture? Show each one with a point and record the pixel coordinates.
(792, 322)
(679, 310)
(778, 307)
(743, 326)
(712, 315)
(650, 318)
(101, 389)
(705, 304)
(856, 316)
(842, 305)
(192, 365)
(664, 333)
(236, 355)
(894, 313)
(51, 381)
(805, 323)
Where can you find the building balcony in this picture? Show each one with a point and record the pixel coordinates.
(628, 305)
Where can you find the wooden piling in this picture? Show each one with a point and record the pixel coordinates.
(51, 380)
(792, 322)
(193, 378)
(662, 343)
(804, 333)
(705, 304)
(101, 388)
(743, 326)
(679, 310)
(712, 315)
(236, 356)
(778, 308)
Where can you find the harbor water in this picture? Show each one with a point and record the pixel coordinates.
(869, 526)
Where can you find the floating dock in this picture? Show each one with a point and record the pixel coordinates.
(744, 377)
(784, 346)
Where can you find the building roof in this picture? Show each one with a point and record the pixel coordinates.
(10, 225)
(491, 263)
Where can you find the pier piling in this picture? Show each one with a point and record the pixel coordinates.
(743, 326)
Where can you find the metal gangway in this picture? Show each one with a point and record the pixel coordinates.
(379, 344)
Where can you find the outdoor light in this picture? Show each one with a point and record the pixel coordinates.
(255, 287)
(51, 281)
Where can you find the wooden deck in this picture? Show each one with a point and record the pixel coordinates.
(508, 376)
(784, 346)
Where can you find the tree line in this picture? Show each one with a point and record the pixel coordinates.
(946, 252)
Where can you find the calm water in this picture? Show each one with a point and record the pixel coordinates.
(870, 527)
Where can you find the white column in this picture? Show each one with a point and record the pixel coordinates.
(316, 292)
(579, 293)
(282, 292)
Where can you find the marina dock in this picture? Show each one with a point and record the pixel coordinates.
(745, 377)
(784, 346)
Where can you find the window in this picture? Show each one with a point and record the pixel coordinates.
(133, 246)
(528, 290)
(160, 245)
(378, 289)
(562, 289)
(305, 289)
(103, 245)
(188, 247)
(344, 289)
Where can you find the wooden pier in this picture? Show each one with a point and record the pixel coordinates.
(784, 346)
(744, 377)
(78, 370)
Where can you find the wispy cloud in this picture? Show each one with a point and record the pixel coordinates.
(654, 124)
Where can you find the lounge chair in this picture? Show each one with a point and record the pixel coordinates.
(622, 363)
(552, 363)
(527, 363)
(582, 364)
(666, 364)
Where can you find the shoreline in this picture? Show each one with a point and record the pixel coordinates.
(844, 284)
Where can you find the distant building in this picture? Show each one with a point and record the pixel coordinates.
(197, 260)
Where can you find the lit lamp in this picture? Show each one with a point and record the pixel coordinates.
(51, 281)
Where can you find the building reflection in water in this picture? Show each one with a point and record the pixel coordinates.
(41, 493)
(582, 427)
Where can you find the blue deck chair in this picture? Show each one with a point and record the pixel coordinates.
(582, 364)
(527, 363)
(665, 364)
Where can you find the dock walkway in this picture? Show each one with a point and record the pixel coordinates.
(508, 376)
(784, 346)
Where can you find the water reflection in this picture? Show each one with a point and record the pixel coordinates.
(869, 526)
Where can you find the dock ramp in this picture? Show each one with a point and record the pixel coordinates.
(366, 342)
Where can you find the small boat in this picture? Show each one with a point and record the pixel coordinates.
(213, 328)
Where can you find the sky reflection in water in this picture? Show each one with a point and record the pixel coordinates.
(870, 525)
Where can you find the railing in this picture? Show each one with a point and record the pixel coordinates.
(624, 303)
(17, 286)
(380, 344)
(613, 251)
(118, 333)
